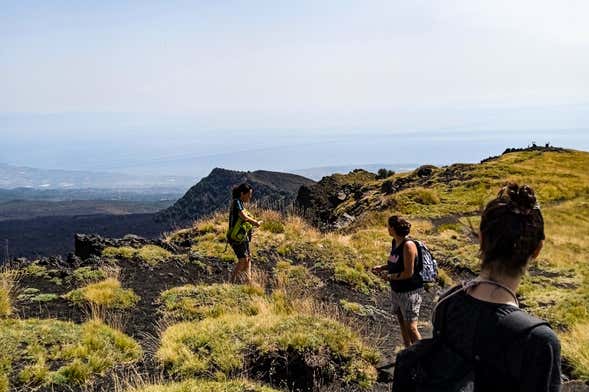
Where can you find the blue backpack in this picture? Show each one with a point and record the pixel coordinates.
(428, 269)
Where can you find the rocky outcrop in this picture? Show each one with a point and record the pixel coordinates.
(271, 189)
(89, 245)
(319, 202)
(337, 200)
(534, 147)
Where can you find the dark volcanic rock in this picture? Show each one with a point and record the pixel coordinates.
(425, 170)
(335, 201)
(271, 190)
(319, 201)
(88, 245)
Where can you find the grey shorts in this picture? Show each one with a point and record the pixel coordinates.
(407, 303)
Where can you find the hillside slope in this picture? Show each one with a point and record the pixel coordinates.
(213, 193)
(316, 318)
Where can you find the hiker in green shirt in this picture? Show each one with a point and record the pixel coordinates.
(241, 224)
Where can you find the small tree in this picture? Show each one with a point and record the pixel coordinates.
(384, 173)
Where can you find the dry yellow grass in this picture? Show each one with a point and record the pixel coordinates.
(54, 353)
(151, 254)
(106, 294)
(8, 279)
(205, 386)
(225, 344)
(575, 345)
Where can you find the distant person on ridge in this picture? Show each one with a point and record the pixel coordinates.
(241, 224)
(406, 283)
(482, 340)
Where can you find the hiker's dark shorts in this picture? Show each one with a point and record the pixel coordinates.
(407, 303)
(241, 249)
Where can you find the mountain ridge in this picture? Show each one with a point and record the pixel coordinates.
(213, 192)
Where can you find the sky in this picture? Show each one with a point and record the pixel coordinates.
(178, 87)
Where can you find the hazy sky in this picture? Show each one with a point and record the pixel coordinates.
(105, 84)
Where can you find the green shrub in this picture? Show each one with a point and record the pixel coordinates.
(51, 352)
(36, 270)
(45, 297)
(86, 275)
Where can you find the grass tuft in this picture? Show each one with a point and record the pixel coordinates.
(8, 280)
(150, 254)
(229, 343)
(205, 386)
(39, 353)
(198, 302)
(576, 349)
(107, 294)
(86, 275)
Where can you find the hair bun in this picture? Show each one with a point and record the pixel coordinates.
(520, 199)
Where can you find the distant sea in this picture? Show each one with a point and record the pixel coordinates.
(310, 153)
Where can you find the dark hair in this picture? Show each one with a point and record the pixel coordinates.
(511, 228)
(240, 189)
(402, 226)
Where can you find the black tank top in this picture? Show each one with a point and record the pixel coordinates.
(396, 264)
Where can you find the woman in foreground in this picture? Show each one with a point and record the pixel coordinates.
(508, 349)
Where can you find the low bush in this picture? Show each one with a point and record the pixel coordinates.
(86, 275)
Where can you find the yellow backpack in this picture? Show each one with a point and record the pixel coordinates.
(239, 232)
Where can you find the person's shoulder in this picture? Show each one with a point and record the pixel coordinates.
(545, 335)
(538, 336)
(410, 244)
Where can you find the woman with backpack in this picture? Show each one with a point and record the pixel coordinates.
(482, 341)
(239, 232)
(406, 283)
